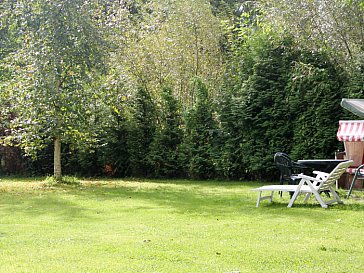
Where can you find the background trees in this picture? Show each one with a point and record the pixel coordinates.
(142, 129)
(173, 42)
(165, 154)
(204, 89)
(201, 134)
(333, 27)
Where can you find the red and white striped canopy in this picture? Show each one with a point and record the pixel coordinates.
(350, 130)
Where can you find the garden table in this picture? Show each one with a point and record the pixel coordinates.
(323, 165)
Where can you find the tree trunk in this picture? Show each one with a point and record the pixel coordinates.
(57, 159)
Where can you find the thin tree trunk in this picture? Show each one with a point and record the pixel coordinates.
(57, 159)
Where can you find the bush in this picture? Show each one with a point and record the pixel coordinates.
(201, 135)
(164, 150)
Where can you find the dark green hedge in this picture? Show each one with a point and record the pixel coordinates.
(278, 98)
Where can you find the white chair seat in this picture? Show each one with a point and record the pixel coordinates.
(284, 188)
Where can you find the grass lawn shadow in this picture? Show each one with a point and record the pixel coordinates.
(124, 225)
(208, 198)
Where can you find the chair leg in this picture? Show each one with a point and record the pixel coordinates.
(336, 196)
(308, 195)
(319, 199)
(269, 197)
(293, 198)
(258, 201)
(351, 186)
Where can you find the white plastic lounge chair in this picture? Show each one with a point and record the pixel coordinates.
(310, 185)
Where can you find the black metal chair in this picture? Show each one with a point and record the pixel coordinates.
(288, 169)
(359, 174)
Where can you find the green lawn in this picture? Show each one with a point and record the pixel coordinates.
(172, 226)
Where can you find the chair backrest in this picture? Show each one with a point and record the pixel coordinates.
(335, 175)
(284, 164)
(355, 151)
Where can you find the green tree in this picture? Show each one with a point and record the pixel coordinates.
(253, 110)
(201, 135)
(60, 52)
(336, 26)
(276, 98)
(314, 92)
(165, 148)
(141, 131)
(225, 8)
(173, 42)
(266, 122)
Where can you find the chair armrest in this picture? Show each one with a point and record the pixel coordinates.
(321, 175)
(309, 180)
(318, 172)
(301, 175)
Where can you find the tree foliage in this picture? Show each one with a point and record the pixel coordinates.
(164, 155)
(315, 92)
(202, 89)
(277, 98)
(201, 134)
(336, 27)
(52, 67)
(142, 129)
(173, 42)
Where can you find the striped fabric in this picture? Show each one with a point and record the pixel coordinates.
(353, 170)
(350, 130)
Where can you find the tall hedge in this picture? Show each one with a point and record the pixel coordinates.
(201, 135)
(164, 155)
(282, 99)
(141, 131)
(314, 93)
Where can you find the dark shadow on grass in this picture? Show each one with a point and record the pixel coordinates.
(205, 198)
(202, 197)
(46, 205)
(312, 206)
(192, 197)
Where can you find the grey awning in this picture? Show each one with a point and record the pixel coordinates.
(356, 106)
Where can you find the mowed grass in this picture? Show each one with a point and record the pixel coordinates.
(172, 226)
